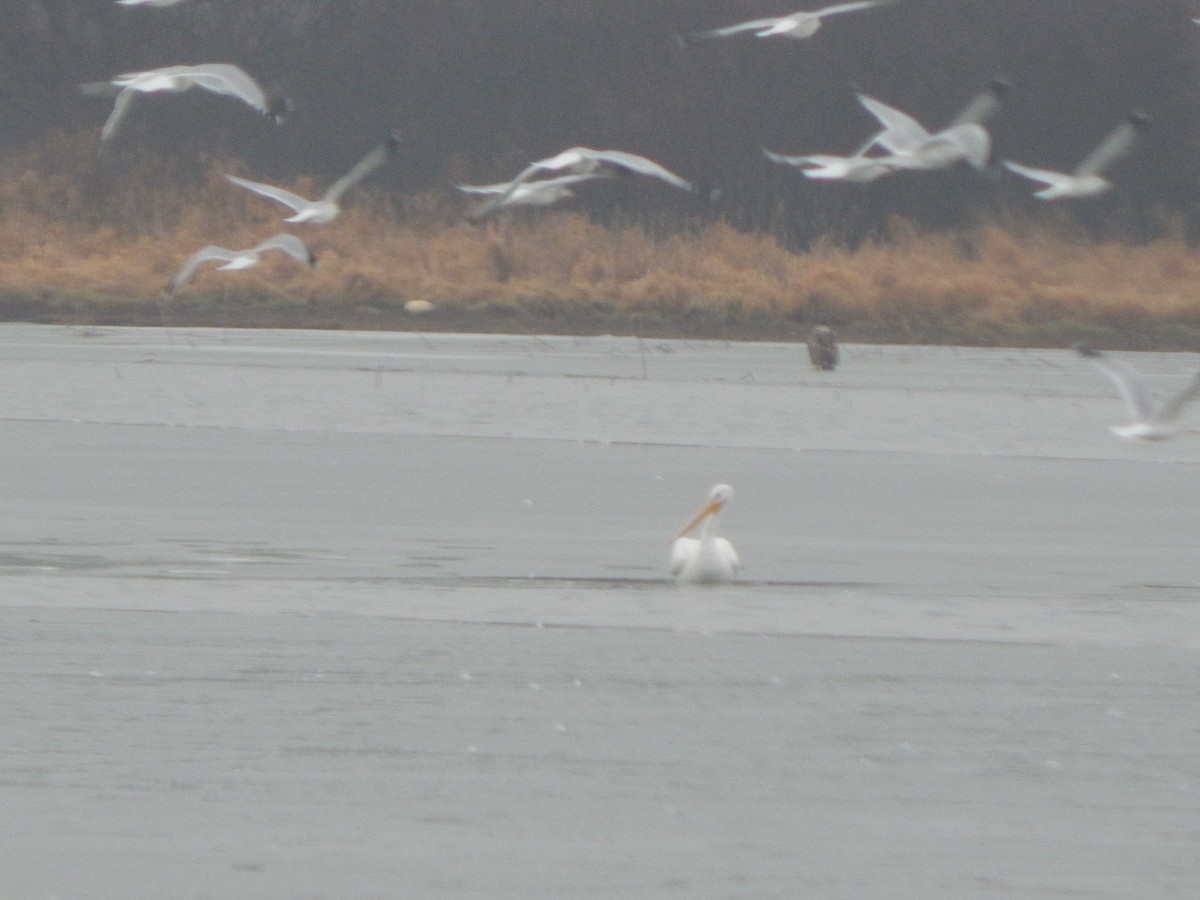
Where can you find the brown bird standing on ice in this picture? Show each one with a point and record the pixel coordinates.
(823, 348)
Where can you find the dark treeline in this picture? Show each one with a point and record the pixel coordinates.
(480, 87)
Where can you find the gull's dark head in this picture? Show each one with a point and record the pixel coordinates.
(278, 108)
(999, 87)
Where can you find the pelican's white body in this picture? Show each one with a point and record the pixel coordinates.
(708, 559)
(705, 560)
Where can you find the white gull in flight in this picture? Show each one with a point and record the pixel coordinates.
(901, 134)
(797, 26)
(1151, 421)
(544, 192)
(584, 161)
(1086, 180)
(220, 78)
(242, 259)
(326, 209)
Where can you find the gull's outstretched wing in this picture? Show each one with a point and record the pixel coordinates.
(289, 244)
(814, 159)
(228, 79)
(364, 167)
(120, 108)
(753, 25)
(1046, 176)
(1118, 143)
(983, 105)
(486, 189)
(901, 132)
(197, 259)
(1129, 383)
(631, 163)
(1174, 405)
(287, 198)
(842, 8)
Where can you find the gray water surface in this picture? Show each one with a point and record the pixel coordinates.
(310, 614)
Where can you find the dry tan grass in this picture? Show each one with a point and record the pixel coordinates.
(96, 236)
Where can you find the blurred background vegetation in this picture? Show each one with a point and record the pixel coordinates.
(481, 87)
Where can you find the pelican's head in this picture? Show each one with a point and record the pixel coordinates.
(717, 498)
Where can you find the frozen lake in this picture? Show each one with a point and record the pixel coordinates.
(308, 614)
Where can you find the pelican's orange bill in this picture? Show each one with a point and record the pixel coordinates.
(705, 511)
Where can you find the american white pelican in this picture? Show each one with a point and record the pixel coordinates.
(1086, 180)
(220, 78)
(708, 559)
(584, 161)
(243, 259)
(319, 212)
(1152, 421)
(823, 348)
(796, 26)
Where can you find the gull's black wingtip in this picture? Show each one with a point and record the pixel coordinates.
(999, 86)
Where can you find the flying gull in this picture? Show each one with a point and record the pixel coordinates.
(543, 192)
(242, 259)
(319, 212)
(1151, 421)
(220, 78)
(1086, 180)
(901, 134)
(584, 161)
(797, 26)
